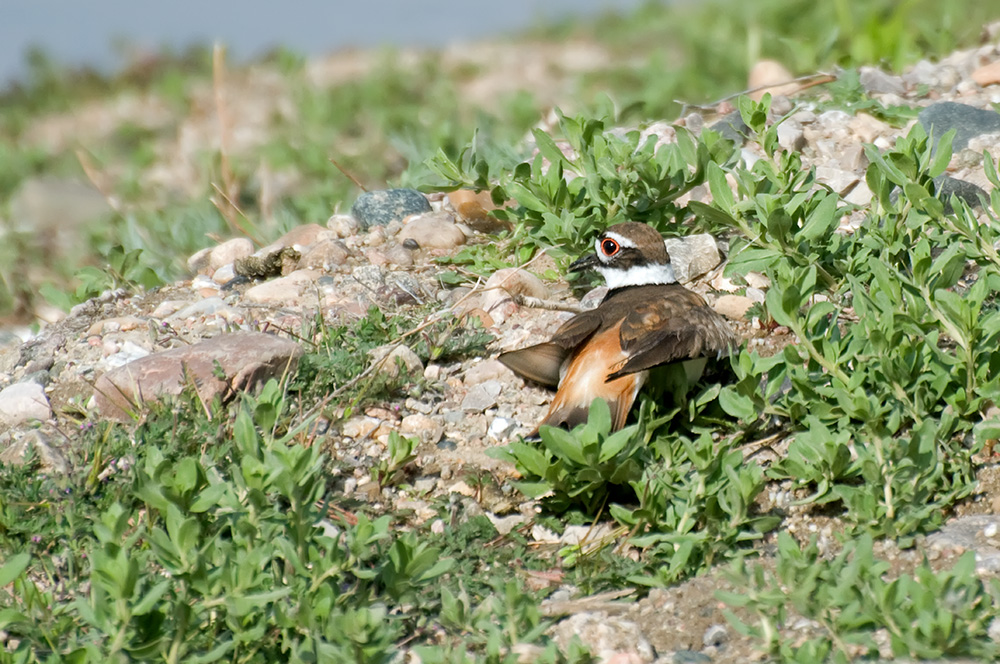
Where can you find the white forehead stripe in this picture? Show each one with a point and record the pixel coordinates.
(621, 240)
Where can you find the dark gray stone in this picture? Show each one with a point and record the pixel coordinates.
(947, 187)
(379, 208)
(967, 121)
(971, 193)
(876, 81)
(732, 127)
(691, 657)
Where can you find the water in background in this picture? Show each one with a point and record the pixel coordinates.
(85, 33)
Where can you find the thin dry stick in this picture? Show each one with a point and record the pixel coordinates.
(234, 220)
(811, 80)
(549, 305)
(230, 186)
(97, 179)
(347, 174)
(225, 126)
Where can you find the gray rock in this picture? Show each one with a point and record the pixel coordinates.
(378, 208)
(969, 532)
(23, 402)
(51, 459)
(344, 225)
(835, 178)
(853, 158)
(371, 277)
(246, 360)
(130, 352)
(593, 298)
(948, 186)
(876, 81)
(731, 126)
(690, 657)
(482, 396)
(790, 136)
(967, 121)
(693, 255)
(715, 636)
(501, 428)
(484, 371)
(606, 636)
(391, 357)
(206, 307)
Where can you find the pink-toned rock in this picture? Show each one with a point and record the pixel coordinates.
(376, 257)
(117, 324)
(771, 77)
(503, 285)
(474, 209)
(429, 430)
(246, 360)
(359, 427)
(988, 74)
(400, 255)
(229, 251)
(733, 306)
(325, 254)
(434, 230)
(300, 236)
(286, 290)
(484, 371)
(867, 127)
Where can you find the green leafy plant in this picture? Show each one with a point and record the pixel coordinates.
(927, 614)
(401, 451)
(580, 467)
(595, 178)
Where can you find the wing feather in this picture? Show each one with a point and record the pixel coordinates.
(665, 331)
(541, 363)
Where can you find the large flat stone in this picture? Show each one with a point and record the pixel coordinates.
(246, 360)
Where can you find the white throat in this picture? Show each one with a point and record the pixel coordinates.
(638, 275)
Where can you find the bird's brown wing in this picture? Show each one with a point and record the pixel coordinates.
(543, 362)
(577, 329)
(668, 330)
(540, 363)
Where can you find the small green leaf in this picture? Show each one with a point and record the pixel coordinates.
(13, 568)
(737, 405)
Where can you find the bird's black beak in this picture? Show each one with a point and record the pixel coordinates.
(584, 263)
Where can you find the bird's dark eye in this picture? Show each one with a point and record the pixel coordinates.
(609, 247)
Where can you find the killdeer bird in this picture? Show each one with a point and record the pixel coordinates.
(646, 320)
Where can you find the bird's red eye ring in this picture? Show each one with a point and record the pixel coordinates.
(609, 247)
